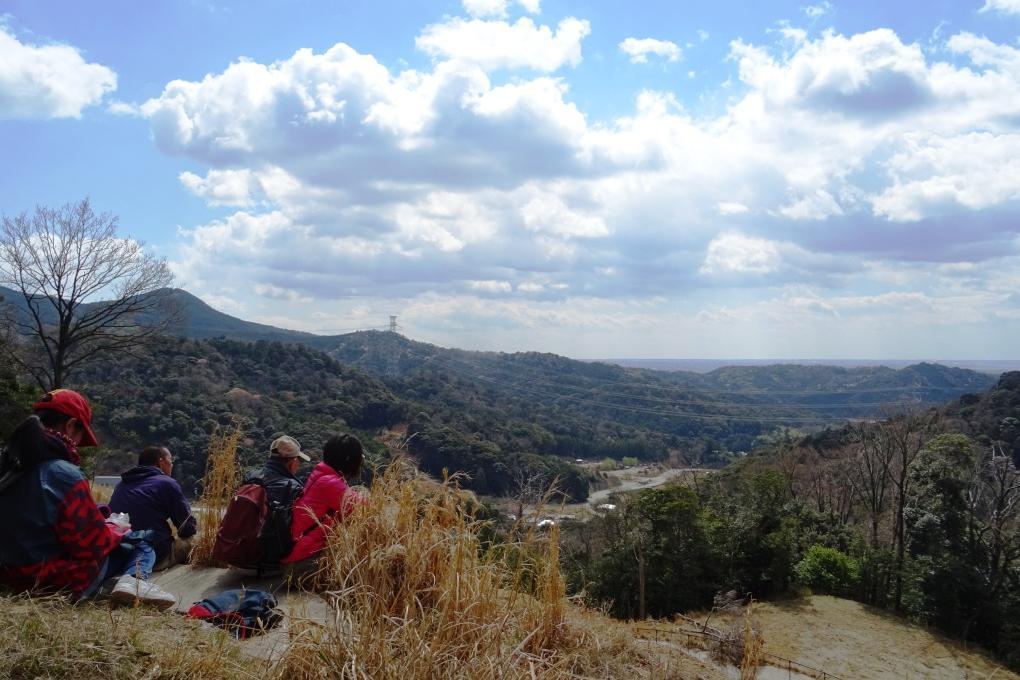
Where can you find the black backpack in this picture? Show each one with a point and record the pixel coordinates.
(23, 451)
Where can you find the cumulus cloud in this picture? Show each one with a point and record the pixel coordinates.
(638, 49)
(817, 11)
(496, 44)
(497, 8)
(872, 75)
(736, 253)
(856, 155)
(48, 81)
(975, 170)
(223, 187)
(1004, 6)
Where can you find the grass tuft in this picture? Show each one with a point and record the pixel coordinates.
(222, 477)
(417, 593)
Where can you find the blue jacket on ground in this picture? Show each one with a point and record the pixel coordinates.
(151, 498)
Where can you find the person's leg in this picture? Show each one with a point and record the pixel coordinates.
(134, 559)
(104, 573)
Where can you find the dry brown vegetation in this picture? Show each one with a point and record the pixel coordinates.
(222, 477)
(48, 638)
(852, 640)
(417, 593)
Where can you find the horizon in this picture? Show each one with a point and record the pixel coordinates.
(815, 179)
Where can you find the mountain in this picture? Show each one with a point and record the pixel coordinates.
(494, 414)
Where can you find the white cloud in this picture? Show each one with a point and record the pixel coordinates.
(48, 81)
(818, 11)
(857, 156)
(495, 45)
(726, 208)
(491, 286)
(480, 9)
(976, 171)
(223, 187)
(703, 35)
(485, 8)
(1004, 6)
(548, 213)
(638, 49)
(734, 253)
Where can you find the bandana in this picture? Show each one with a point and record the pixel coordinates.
(72, 449)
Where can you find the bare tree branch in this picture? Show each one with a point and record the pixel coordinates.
(85, 290)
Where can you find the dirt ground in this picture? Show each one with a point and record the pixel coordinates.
(852, 640)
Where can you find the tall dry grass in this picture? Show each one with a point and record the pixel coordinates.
(100, 492)
(417, 594)
(222, 477)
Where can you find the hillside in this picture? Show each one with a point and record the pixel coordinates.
(646, 413)
(495, 416)
(852, 640)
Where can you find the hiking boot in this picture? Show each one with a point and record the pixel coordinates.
(130, 589)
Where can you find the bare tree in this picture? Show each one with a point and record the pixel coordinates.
(906, 435)
(871, 473)
(84, 290)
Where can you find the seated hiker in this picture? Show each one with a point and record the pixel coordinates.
(326, 498)
(152, 498)
(282, 490)
(255, 530)
(53, 538)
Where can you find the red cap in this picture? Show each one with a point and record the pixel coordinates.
(70, 403)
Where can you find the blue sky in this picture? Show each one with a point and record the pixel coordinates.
(760, 180)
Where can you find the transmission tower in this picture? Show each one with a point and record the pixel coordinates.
(393, 324)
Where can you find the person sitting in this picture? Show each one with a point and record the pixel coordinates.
(282, 490)
(153, 499)
(325, 499)
(53, 538)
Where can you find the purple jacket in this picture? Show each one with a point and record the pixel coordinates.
(151, 498)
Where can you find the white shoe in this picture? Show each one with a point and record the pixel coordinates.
(130, 589)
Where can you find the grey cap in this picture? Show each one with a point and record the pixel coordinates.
(287, 447)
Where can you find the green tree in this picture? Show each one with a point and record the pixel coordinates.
(828, 570)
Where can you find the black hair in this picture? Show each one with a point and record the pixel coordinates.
(344, 453)
(151, 455)
(26, 447)
(54, 420)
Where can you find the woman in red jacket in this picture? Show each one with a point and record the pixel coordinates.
(326, 497)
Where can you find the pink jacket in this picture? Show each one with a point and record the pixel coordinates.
(325, 499)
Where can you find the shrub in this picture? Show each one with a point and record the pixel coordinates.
(828, 570)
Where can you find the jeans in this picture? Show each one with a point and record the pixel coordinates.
(133, 559)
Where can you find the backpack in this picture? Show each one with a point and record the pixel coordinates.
(242, 612)
(255, 531)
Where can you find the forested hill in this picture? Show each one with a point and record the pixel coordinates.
(178, 392)
(492, 415)
(645, 410)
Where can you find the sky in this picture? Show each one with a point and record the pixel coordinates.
(595, 179)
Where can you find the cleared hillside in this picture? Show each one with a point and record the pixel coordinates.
(853, 640)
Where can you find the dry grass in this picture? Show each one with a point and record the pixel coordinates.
(101, 493)
(49, 638)
(417, 595)
(852, 640)
(222, 477)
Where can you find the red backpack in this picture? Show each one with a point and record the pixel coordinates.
(255, 531)
(237, 541)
